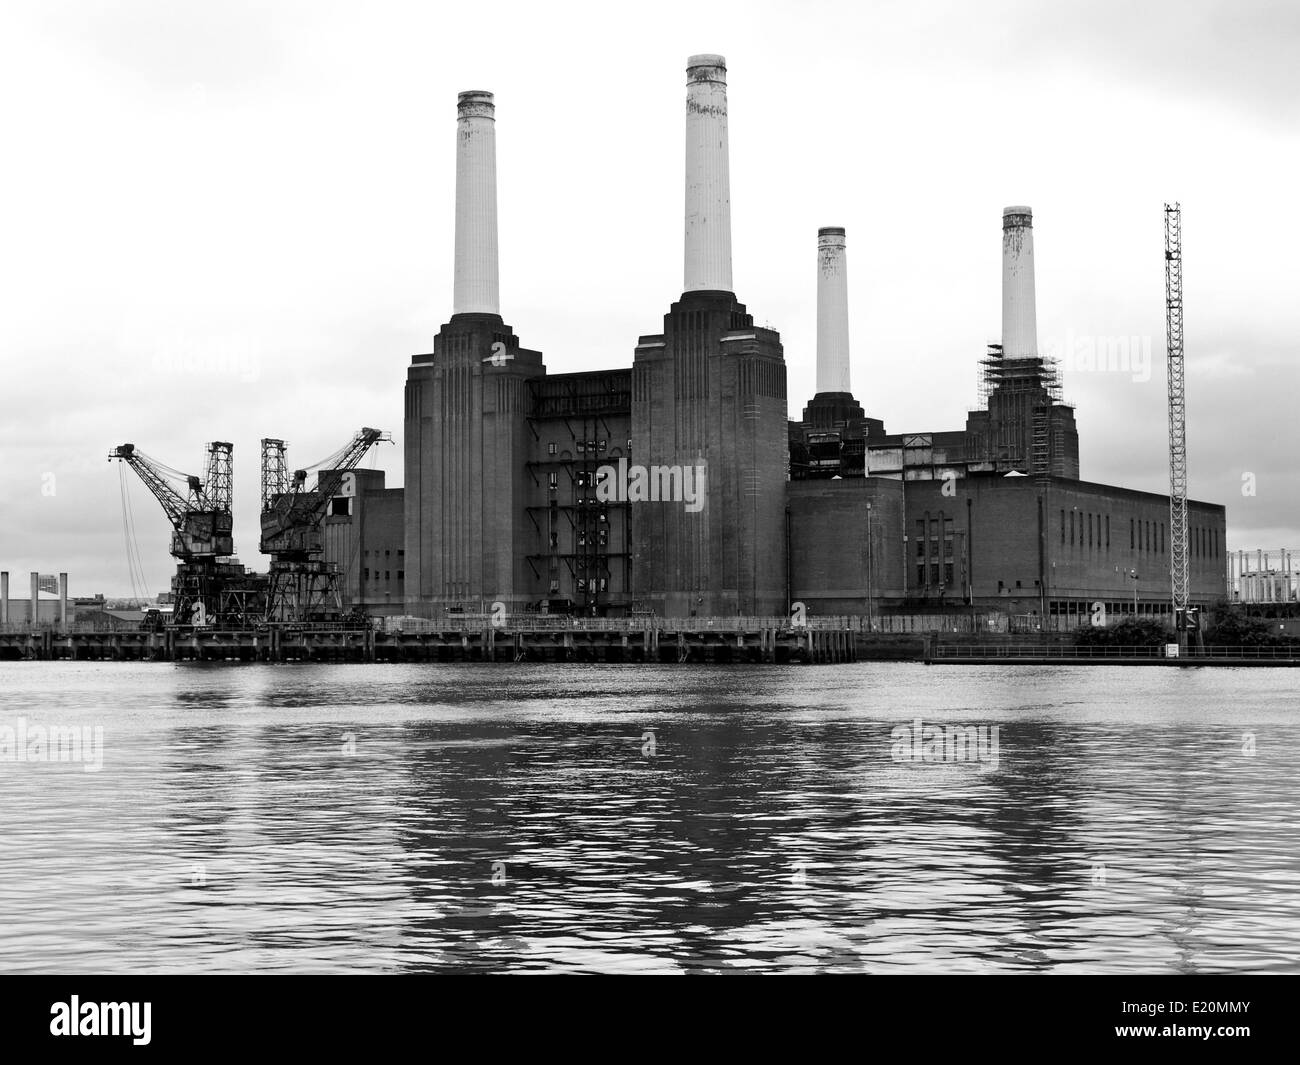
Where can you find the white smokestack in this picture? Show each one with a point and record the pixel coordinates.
(1019, 318)
(708, 181)
(832, 312)
(476, 206)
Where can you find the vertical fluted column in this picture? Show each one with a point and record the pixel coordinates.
(832, 312)
(476, 289)
(708, 181)
(1019, 317)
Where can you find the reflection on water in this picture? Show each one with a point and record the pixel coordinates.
(650, 819)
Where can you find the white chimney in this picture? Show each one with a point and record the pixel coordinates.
(476, 206)
(832, 312)
(1019, 318)
(708, 182)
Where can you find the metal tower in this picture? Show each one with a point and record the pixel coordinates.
(1178, 562)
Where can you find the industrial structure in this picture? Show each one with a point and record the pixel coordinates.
(676, 485)
(303, 586)
(210, 587)
(1180, 579)
(1264, 578)
(509, 468)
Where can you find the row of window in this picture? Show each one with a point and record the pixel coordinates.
(1097, 528)
(595, 584)
(365, 575)
(930, 547)
(584, 447)
(582, 538)
(1093, 531)
(1083, 607)
(934, 571)
(401, 552)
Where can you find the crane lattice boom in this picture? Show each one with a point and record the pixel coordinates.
(201, 520)
(1178, 541)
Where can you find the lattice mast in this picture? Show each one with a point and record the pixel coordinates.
(1178, 556)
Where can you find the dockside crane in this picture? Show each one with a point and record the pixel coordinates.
(304, 588)
(209, 589)
(1186, 620)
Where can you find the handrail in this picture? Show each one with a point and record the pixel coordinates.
(949, 650)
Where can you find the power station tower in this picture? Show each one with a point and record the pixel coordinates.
(1178, 561)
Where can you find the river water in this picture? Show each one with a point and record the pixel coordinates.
(589, 818)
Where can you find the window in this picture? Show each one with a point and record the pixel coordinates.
(555, 539)
(340, 506)
(920, 575)
(401, 574)
(582, 584)
(1107, 532)
(552, 448)
(555, 481)
(1132, 542)
(1071, 528)
(603, 444)
(920, 541)
(934, 573)
(603, 537)
(582, 537)
(947, 573)
(629, 444)
(920, 547)
(555, 586)
(582, 447)
(387, 552)
(401, 552)
(1062, 525)
(386, 575)
(1089, 539)
(365, 574)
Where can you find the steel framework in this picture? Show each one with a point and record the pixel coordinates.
(1178, 543)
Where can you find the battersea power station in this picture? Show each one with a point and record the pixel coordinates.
(679, 484)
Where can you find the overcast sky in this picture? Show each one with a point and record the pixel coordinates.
(234, 220)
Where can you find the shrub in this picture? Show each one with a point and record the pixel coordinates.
(1131, 632)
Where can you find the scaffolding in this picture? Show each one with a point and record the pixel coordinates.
(1019, 433)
